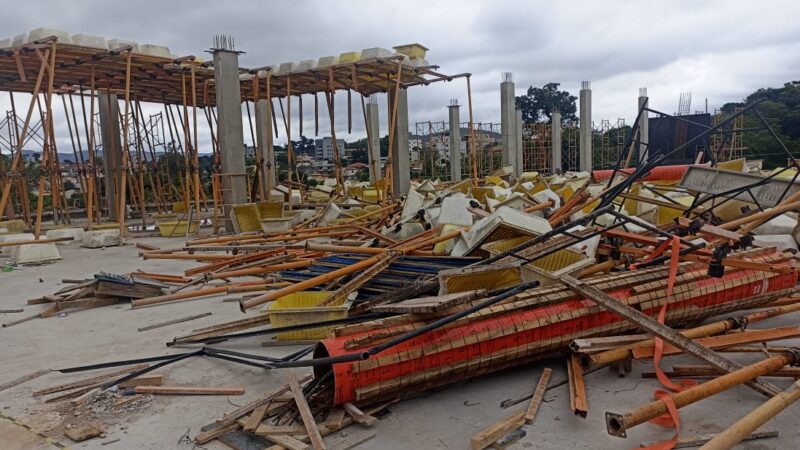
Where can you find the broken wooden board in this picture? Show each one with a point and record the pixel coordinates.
(83, 432)
(490, 435)
(432, 304)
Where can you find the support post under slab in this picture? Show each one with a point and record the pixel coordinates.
(108, 107)
(264, 134)
(644, 129)
(508, 121)
(401, 158)
(555, 142)
(373, 124)
(585, 159)
(229, 126)
(455, 140)
(519, 165)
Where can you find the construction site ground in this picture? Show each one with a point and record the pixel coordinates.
(446, 418)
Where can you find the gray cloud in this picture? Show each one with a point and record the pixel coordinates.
(720, 50)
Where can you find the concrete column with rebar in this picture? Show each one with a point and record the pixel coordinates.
(555, 142)
(585, 159)
(644, 126)
(264, 134)
(373, 125)
(108, 107)
(508, 122)
(229, 126)
(401, 158)
(455, 140)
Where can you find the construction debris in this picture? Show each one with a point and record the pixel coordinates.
(395, 287)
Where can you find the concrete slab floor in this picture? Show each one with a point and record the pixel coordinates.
(443, 419)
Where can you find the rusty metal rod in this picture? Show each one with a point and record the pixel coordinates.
(749, 423)
(722, 326)
(618, 424)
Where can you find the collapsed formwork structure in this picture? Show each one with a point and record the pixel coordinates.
(392, 295)
(134, 174)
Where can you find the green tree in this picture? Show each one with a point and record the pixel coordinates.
(781, 108)
(539, 103)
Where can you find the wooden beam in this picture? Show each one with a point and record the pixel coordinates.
(538, 394)
(305, 412)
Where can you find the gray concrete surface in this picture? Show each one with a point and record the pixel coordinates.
(442, 420)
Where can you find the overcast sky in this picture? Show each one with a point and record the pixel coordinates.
(719, 50)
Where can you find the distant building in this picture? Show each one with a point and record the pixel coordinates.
(324, 148)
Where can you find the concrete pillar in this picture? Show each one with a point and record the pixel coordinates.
(644, 126)
(455, 140)
(585, 159)
(520, 165)
(108, 106)
(508, 122)
(373, 125)
(401, 158)
(555, 142)
(264, 134)
(229, 126)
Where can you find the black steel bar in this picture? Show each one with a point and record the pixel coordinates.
(654, 161)
(127, 362)
(151, 368)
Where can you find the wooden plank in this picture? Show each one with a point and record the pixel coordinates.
(577, 388)
(255, 418)
(23, 379)
(173, 321)
(188, 390)
(89, 381)
(148, 379)
(287, 441)
(293, 430)
(234, 415)
(305, 412)
(358, 415)
(429, 304)
(207, 436)
(489, 435)
(335, 418)
(538, 394)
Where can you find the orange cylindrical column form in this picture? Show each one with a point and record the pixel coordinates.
(512, 333)
(660, 173)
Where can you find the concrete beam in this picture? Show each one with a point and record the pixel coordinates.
(455, 140)
(230, 133)
(555, 142)
(508, 122)
(585, 159)
(267, 171)
(644, 126)
(108, 107)
(401, 158)
(373, 125)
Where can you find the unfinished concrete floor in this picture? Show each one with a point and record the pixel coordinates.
(444, 419)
